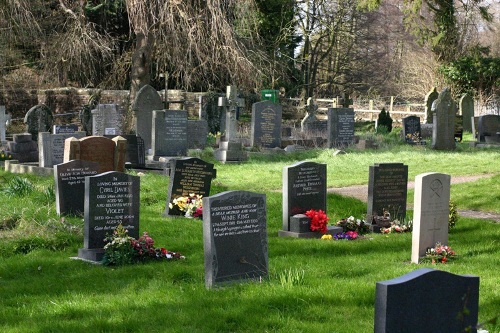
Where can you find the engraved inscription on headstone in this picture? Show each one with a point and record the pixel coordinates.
(266, 124)
(340, 127)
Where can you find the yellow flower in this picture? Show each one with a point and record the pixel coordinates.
(327, 237)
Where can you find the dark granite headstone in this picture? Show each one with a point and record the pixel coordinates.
(169, 133)
(197, 133)
(387, 190)
(188, 176)
(412, 130)
(235, 237)
(111, 199)
(64, 129)
(427, 300)
(304, 188)
(340, 127)
(70, 185)
(266, 125)
(488, 125)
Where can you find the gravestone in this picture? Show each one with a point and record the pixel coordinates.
(266, 125)
(188, 176)
(38, 119)
(235, 237)
(3, 121)
(108, 153)
(111, 198)
(427, 300)
(135, 155)
(387, 190)
(146, 101)
(304, 188)
(443, 131)
(430, 213)
(488, 126)
(340, 127)
(169, 133)
(429, 99)
(197, 133)
(310, 121)
(23, 148)
(85, 117)
(412, 131)
(51, 147)
(466, 109)
(64, 129)
(108, 119)
(70, 185)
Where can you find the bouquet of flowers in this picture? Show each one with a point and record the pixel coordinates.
(349, 235)
(190, 206)
(397, 227)
(319, 220)
(353, 224)
(439, 254)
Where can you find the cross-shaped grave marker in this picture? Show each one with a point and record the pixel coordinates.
(231, 103)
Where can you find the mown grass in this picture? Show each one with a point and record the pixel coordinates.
(314, 286)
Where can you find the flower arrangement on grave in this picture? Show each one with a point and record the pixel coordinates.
(413, 138)
(319, 220)
(397, 227)
(349, 235)
(439, 254)
(353, 224)
(121, 249)
(190, 206)
(4, 156)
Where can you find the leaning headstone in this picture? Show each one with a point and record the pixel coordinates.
(64, 129)
(266, 125)
(188, 176)
(429, 99)
(431, 213)
(23, 148)
(304, 188)
(108, 153)
(427, 300)
(107, 119)
(51, 147)
(387, 191)
(443, 131)
(235, 237)
(340, 127)
(488, 126)
(466, 109)
(169, 133)
(111, 199)
(38, 119)
(412, 131)
(70, 185)
(197, 132)
(146, 101)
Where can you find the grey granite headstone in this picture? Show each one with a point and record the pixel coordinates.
(430, 213)
(146, 101)
(412, 130)
(169, 133)
(266, 125)
(387, 190)
(70, 185)
(197, 132)
(340, 127)
(64, 129)
(235, 237)
(3, 120)
(429, 99)
(107, 117)
(38, 119)
(188, 176)
(304, 188)
(488, 125)
(23, 148)
(466, 109)
(443, 132)
(427, 300)
(111, 198)
(51, 147)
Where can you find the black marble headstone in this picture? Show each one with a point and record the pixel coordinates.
(411, 128)
(488, 125)
(304, 188)
(188, 175)
(235, 237)
(387, 189)
(340, 127)
(111, 199)
(266, 124)
(427, 300)
(70, 185)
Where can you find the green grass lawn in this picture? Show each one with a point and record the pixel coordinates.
(314, 285)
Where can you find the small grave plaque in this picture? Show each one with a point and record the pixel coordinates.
(64, 129)
(427, 300)
(266, 125)
(340, 127)
(235, 237)
(70, 185)
(111, 199)
(188, 176)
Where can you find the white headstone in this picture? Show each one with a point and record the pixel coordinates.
(431, 210)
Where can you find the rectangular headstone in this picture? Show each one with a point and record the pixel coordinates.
(340, 127)
(197, 133)
(188, 175)
(51, 147)
(70, 185)
(431, 212)
(3, 120)
(64, 129)
(266, 125)
(235, 237)
(304, 188)
(387, 190)
(411, 128)
(111, 199)
(427, 300)
(169, 133)
(135, 153)
(107, 117)
(488, 125)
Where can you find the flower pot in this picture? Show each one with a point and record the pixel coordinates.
(300, 223)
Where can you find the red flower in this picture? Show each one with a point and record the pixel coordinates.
(319, 220)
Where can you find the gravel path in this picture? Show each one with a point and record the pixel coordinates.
(361, 192)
